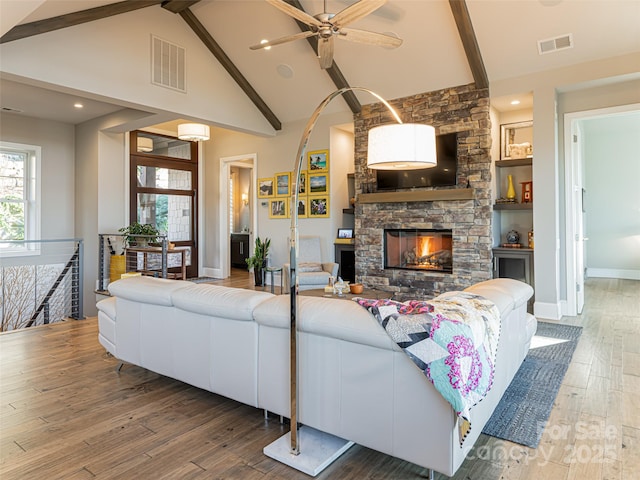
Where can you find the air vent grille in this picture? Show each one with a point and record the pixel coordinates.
(555, 44)
(168, 67)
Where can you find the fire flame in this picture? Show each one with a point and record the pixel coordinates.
(424, 246)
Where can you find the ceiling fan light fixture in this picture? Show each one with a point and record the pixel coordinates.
(193, 132)
(405, 146)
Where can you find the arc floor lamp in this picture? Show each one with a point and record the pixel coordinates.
(401, 146)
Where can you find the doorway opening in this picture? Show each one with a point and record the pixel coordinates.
(238, 210)
(578, 207)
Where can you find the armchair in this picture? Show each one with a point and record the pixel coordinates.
(312, 271)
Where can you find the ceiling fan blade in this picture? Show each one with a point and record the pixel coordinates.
(370, 38)
(356, 11)
(288, 38)
(325, 52)
(294, 12)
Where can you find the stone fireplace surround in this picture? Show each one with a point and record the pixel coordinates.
(467, 211)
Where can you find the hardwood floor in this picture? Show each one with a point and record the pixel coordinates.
(65, 413)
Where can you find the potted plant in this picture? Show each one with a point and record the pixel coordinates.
(132, 234)
(259, 259)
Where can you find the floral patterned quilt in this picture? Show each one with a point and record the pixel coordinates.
(452, 339)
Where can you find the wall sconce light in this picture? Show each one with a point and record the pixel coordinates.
(193, 132)
(145, 144)
(245, 199)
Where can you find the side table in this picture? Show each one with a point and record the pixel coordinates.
(271, 270)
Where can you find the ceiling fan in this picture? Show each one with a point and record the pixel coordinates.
(327, 26)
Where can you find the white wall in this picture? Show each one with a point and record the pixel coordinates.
(612, 200)
(58, 170)
(609, 82)
(98, 68)
(278, 155)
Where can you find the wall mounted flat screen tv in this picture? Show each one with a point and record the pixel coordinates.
(444, 174)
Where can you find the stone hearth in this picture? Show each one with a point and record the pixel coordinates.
(462, 109)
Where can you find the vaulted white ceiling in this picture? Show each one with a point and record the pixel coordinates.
(288, 77)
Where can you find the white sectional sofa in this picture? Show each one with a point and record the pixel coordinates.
(354, 381)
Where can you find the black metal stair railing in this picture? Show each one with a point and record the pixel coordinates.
(75, 302)
(31, 267)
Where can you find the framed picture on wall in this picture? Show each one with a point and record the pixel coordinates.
(319, 206)
(302, 184)
(318, 161)
(283, 182)
(265, 187)
(318, 183)
(303, 207)
(278, 208)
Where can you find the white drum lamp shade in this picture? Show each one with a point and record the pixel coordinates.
(193, 132)
(145, 144)
(402, 146)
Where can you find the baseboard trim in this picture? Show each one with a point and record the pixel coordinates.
(613, 273)
(212, 272)
(551, 311)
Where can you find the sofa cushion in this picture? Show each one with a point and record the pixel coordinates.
(108, 307)
(329, 317)
(152, 290)
(313, 278)
(502, 300)
(219, 301)
(519, 291)
(309, 267)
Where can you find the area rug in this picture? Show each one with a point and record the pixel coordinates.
(203, 279)
(527, 402)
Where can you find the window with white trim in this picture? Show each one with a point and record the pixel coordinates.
(19, 203)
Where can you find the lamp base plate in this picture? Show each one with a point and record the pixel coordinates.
(318, 450)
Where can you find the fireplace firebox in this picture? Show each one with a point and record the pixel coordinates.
(418, 249)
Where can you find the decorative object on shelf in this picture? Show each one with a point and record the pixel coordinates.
(513, 237)
(516, 140)
(341, 287)
(527, 192)
(259, 259)
(530, 239)
(511, 191)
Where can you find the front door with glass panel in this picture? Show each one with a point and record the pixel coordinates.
(163, 180)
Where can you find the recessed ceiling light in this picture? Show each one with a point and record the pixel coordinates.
(515, 102)
(262, 42)
(285, 71)
(78, 105)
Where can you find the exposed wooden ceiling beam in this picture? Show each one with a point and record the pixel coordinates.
(226, 62)
(334, 72)
(469, 42)
(75, 18)
(176, 6)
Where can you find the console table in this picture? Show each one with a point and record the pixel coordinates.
(148, 269)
